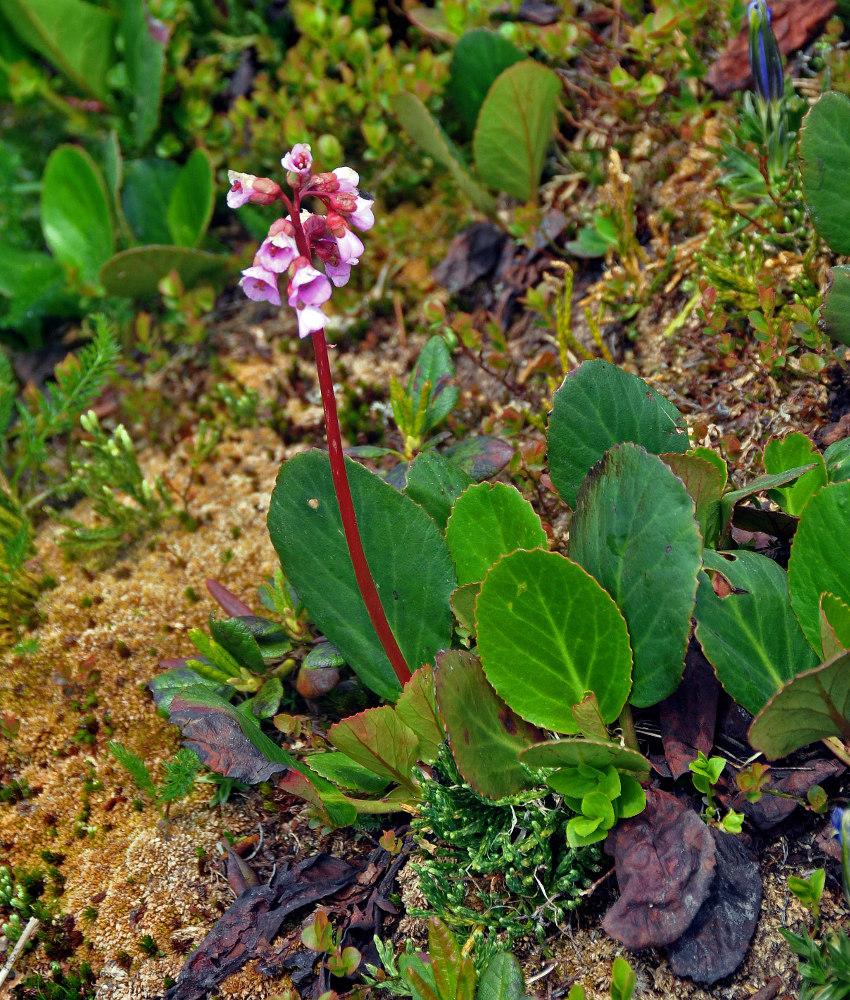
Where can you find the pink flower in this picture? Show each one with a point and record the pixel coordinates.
(350, 247)
(310, 319)
(363, 217)
(307, 286)
(248, 188)
(348, 179)
(298, 161)
(339, 273)
(308, 289)
(260, 285)
(277, 252)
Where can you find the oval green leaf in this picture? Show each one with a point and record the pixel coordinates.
(477, 59)
(76, 37)
(135, 273)
(378, 740)
(488, 521)
(547, 633)
(811, 707)
(751, 636)
(485, 736)
(408, 557)
(824, 153)
(191, 205)
(515, 126)
(75, 215)
(634, 531)
(818, 562)
(597, 406)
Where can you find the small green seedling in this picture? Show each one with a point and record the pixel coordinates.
(319, 936)
(600, 797)
(706, 773)
(178, 778)
(809, 891)
(623, 982)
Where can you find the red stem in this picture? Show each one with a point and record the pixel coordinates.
(349, 519)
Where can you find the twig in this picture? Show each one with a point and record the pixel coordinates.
(32, 926)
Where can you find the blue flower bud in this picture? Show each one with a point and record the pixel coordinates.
(765, 60)
(836, 816)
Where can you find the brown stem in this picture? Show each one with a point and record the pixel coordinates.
(349, 519)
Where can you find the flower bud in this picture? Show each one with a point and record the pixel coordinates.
(765, 59)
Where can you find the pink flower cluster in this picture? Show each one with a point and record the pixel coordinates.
(296, 239)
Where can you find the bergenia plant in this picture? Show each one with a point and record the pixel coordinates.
(316, 253)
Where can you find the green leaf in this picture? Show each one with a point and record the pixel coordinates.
(751, 636)
(593, 753)
(349, 774)
(419, 124)
(463, 605)
(446, 958)
(435, 365)
(435, 483)
(623, 980)
(824, 149)
(835, 312)
(144, 61)
(515, 127)
(547, 632)
(502, 979)
(488, 521)
(632, 800)
(477, 60)
(789, 452)
(408, 558)
(165, 687)
(484, 734)
(634, 531)
(135, 273)
(379, 740)
(818, 562)
(834, 625)
(811, 707)
(266, 701)
(417, 708)
(597, 406)
(704, 482)
(191, 205)
(146, 193)
(76, 37)
(837, 458)
(235, 636)
(75, 215)
(597, 805)
(36, 284)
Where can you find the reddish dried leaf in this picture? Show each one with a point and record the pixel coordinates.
(665, 860)
(689, 715)
(473, 254)
(216, 736)
(795, 24)
(717, 940)
(229, 602)
(249, 925)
